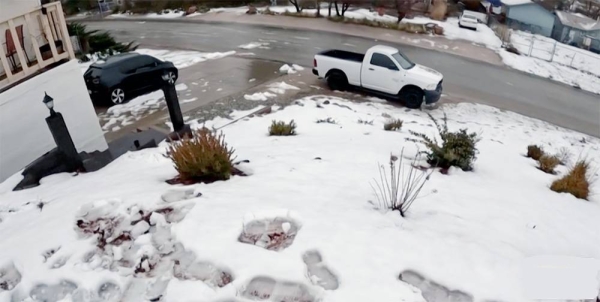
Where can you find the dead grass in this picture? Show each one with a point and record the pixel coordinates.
(204, 157)
(392, 125)
(547, 163)
(576, 182)
(535, 152)
(281, 128)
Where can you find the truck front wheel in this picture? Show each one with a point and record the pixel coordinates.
(413, 97)
(337, 81)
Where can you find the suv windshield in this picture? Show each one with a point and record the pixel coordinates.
(403, 60)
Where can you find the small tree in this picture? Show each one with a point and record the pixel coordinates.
(297, 5)
(318, 2)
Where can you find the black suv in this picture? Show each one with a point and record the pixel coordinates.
(122, 77)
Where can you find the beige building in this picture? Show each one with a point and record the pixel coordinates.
(36, 57)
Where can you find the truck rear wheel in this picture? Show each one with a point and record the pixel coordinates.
(337, 81)
(413, 97)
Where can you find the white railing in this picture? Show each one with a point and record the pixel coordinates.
(32, 42)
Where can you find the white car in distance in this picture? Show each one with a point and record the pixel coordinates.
(468, 21)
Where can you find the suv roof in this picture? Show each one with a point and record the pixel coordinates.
(115, 60)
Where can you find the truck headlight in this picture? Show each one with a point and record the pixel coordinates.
(431, 86)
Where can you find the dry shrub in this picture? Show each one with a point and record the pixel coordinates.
(547, 163)
(575, 182)
(204, 157)
(281, 128)
(392, 125)
(535, 152)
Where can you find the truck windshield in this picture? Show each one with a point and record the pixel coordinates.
(403, 60)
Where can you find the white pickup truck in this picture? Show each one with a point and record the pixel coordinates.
(384, 71)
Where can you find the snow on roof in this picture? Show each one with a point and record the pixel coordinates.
(578, 21)
(385, 49)
(515, 2)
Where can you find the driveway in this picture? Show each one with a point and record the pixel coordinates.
(465, 79)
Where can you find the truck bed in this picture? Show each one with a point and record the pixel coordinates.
(343, 55)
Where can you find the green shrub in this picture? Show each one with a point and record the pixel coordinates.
(281, 128)
(547, 163)
(535, 152)
(576, 182)
(457, 148)
(392, 125)
(204, 157)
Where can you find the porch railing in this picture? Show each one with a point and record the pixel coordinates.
(33, 41)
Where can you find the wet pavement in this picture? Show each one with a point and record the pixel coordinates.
(465, 79)
(198, 85)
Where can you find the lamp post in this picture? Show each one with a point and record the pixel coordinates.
(180, 129)
(62, 137)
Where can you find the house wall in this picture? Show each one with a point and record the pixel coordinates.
(531, 17)
(24, 134)
(12, 8)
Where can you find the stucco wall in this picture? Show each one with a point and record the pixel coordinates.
(531, 17)
(24, 134)
(12, 8)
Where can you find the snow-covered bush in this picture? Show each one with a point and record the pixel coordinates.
(457, 148)
(547, 163)
(399, 191)
(535, 152)
(392, 125)
(576, 182)
(204, 157)
(281, 128)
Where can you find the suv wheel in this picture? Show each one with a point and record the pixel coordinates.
(117, 96)
(170, 77)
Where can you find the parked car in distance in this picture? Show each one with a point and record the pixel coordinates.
(121, 77)
(467, 20)
(384, 71)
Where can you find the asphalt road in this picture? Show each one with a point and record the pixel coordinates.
(464, 79)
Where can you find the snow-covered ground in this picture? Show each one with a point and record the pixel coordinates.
(167, 14)
(543, 48)
(469, 231)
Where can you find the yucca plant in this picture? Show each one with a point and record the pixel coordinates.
(203, 157)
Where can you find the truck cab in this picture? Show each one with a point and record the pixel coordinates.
(384, 71)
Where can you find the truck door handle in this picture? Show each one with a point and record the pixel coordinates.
(371, 69)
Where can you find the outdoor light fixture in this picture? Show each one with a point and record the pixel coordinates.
(49, 102)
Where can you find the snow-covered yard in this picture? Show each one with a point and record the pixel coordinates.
(469, 232)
